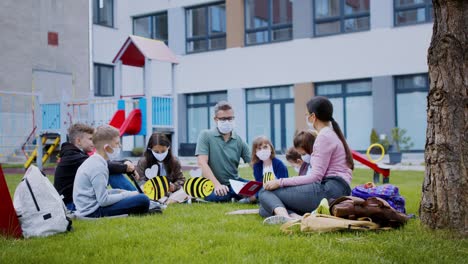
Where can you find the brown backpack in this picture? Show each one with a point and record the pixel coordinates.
(375, 208)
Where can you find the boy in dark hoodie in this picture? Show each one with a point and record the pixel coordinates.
(74, 153)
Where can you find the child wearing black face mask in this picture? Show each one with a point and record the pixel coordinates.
(159, 161)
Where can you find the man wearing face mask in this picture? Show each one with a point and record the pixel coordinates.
(219, 151)
(74, 153)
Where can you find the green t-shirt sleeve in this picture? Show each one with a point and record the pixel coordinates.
(246, 155)
(202, 147)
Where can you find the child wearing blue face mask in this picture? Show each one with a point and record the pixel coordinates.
(159, 154)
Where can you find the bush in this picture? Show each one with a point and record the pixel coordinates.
(400, 141)
(374, 138)
(137, 152)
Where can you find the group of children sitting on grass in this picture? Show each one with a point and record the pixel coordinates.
(83, 180)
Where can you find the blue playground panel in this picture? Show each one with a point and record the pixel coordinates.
(162, 111)
(50, 116)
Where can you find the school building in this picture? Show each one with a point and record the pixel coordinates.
(269, 57)
(266, 57)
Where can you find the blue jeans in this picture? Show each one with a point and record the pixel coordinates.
(226, 198)
(119, 181)
(137, 204)
(302, 199)
(71, 206)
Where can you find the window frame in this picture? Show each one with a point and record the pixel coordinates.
(341, 18)
(344, 94)
(271, 103)
(208, 36)
(97, 21)
(152, 17)
(206, 105)
(426, 5)
(409, 90)
(97, 74)
(269, 28)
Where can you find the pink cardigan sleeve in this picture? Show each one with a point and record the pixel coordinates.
(322, 152)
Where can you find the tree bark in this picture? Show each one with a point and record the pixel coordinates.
(444, 194)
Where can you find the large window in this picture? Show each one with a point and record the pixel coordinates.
(200, 112)
(103, 80)
(352, 109)
(340, 16)
(267, 21)
(270, 112)
(409, 12)
(151, 26)
(103, 12)
(206, 27)
(410, 99)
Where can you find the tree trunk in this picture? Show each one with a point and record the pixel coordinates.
(444, 201)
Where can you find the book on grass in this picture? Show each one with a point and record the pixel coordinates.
(246, 188)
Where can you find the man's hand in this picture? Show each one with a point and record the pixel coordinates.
(272, 185)
(130, 166)
(221, 190)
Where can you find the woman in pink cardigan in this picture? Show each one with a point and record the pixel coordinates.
(330, 176)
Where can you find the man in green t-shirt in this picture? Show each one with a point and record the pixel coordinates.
(219, 151)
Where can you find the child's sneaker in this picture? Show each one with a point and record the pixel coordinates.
(276, 220)
(244, 201)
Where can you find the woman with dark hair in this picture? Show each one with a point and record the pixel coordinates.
(329, 178)
(158, 152)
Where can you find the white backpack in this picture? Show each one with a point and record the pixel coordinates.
(40, 209)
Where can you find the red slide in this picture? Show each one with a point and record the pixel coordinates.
(132, 125)
(362, 159)
(118, 119)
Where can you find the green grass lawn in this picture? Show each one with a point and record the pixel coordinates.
(202, 233)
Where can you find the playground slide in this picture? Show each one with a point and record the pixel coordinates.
(132, 124)
(362, 159)
(118, 119)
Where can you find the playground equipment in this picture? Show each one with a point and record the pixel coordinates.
(135, 123)
(36, 123)
(51, 141)
(378, 169)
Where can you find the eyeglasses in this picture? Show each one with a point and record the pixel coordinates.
(227, 118)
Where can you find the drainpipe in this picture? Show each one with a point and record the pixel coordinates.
(90, 49)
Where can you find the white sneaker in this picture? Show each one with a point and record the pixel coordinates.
(276, 220)
(156, 205)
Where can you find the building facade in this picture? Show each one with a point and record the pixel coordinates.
(269, 57)
(44, 49)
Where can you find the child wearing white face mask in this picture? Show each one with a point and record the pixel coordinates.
(266, 166)
(295, 159)
(304, 143)
(158, 152)
(90, 193)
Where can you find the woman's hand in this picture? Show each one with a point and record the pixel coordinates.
(172, 187)
(271, 185)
